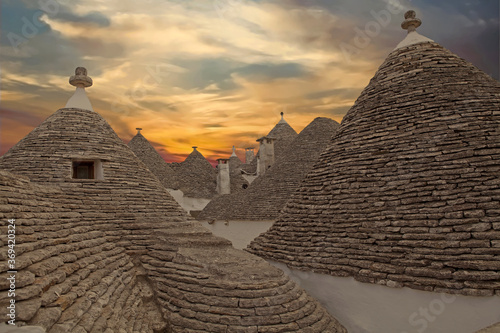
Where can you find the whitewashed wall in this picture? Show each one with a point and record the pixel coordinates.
(240, 233)
(370, 308)
(187, 203)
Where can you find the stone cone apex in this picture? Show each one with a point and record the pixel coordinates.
(404, 193)
(283, 134)
(197, 178)
(234, 160)
(195, 157)
(80, 80)
(124, 240)
(411, 23)
(282, 120)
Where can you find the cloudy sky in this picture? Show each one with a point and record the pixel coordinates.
(215, 73)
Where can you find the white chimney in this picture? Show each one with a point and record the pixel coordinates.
(223, 180)
(265, 158)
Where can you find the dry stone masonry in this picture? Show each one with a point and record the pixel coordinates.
(408, 191)
(196, 177)
(268, 194)
(143, 149)
(117, 253)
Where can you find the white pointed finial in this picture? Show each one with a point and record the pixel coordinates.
(411, 23)
(80, 80)
(234, 152)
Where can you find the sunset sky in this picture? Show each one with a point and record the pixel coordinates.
(215, 73)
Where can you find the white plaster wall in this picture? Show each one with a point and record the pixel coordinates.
(187, 203)
(240, 233)
(370, 308)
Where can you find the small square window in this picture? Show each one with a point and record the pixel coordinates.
(83, 170)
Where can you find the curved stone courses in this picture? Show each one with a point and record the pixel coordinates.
(155, 163)
(407, 193)
(196, 177)
(223, 302)
(69, 277)
(91, 250)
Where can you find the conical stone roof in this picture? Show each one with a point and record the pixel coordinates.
(143, 149)
(267, 195)
(71, 273)
(407, 193)
(196, 177)
(284, 134)
(118, 253)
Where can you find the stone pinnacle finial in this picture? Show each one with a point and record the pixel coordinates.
(194, 147)
(411, 23)
(139, 130)
(80, 79)
(282, 115)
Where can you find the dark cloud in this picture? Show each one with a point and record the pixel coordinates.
(213, 125)
(40, 49)
(35, 95)
(264, 72)
(95, 18)
(23, 117)
(339, 111)
(58, 10)
(156, 106)
(342, 93)
(203, 72)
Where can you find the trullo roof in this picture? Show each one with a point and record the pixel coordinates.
(407, 193)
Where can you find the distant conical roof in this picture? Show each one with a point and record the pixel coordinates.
(267, 195)
(196, 176)
(116, 252)
(143, 149)
(284, 134)
(234, 161)
(407, 193)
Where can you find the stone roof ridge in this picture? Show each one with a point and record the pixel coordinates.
(411, 23)
(80, 80)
